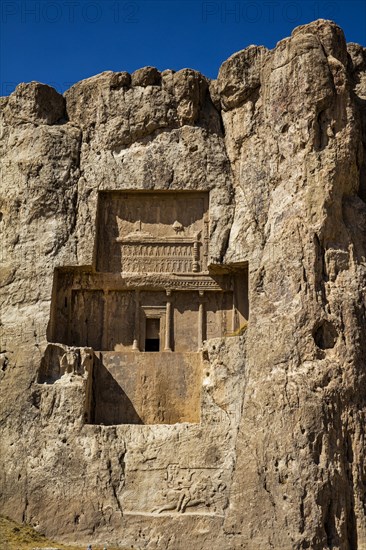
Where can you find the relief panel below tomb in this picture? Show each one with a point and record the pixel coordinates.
(181, 490)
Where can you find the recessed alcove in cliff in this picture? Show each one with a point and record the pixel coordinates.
(147, 304)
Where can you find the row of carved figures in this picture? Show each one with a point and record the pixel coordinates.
(158, 265)
(158, 250)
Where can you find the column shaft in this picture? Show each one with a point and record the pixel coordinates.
(201, 315)
(105, 327)
(168, 322)
(136, 332)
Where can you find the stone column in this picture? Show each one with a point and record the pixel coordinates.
(136, 332)
(168, 322)
(105, 327)
(201, 318)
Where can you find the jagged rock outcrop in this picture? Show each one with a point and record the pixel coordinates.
(278, 457)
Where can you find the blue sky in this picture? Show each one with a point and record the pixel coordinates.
(62, 41)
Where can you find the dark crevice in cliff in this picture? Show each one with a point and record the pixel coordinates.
(26, 500)
(116, 479)
(329, 527)
(361, 104)
(362, 180)
(219, 116)
(210, 117)
(320, 271)
(325, 335)
(74, 209)
(75, 196)
(321, 137)
(357, 69)
(302, 512)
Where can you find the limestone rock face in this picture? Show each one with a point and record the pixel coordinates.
(274, 454)
(35, 103)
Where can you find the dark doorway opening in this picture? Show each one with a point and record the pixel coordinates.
(152, 340)
(152, 344)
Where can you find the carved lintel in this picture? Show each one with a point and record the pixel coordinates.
(158, 281)
(142, 239)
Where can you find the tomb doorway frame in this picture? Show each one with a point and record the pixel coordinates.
(152, 312)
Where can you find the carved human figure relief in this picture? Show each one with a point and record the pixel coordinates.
(187, 489)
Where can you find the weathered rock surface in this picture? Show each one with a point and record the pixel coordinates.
(278, 458)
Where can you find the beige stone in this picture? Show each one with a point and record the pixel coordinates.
(242, 253)
(147, 76)
(36, 103)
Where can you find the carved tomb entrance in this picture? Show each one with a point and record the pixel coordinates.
(149, 290)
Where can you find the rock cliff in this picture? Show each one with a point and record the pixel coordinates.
(277, 459)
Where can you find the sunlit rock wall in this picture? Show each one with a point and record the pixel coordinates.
(278, 457)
